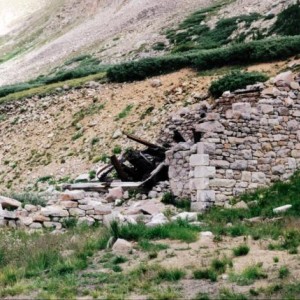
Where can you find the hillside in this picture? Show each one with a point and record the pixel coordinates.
(150, 150)
(63, 29)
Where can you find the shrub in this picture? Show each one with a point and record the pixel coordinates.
(283, 272)
(241, 250)
(235, 80)
(287, 22)
(245, 53)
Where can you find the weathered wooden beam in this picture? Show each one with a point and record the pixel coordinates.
(143, 142)
(118, 167)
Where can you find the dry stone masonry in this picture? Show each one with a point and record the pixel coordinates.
(249, 139)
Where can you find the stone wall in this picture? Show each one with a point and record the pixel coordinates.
(250, 139)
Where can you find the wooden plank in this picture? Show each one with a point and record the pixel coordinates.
(143, 142)
(126, 184)
(93, 187)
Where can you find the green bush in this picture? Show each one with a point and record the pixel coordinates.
(240, 54)
(241, 250)
(235, 80)
(287, 22)
(206, 274)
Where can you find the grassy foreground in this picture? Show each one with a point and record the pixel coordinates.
(77, 263)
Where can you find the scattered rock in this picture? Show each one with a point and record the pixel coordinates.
(241, 205)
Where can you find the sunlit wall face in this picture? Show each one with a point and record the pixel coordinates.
(13, 10)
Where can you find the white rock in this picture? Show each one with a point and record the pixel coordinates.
(241, 205)
(282, 209)
(206, 234)
(188, 216)
(157, 220)
(121, 246)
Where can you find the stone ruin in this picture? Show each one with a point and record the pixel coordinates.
(248, 139)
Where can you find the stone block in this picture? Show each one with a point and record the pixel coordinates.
(259, 177)
(246, 176)
(72, 195)
(69, 204)
(218, 182)
(206, 196)
(54, 211)
(239, 165)
(222, 164)
(204, 172)
(199, 184)
(265, 108)
(210, 126)
(199, 160)
(295, 153)
(200, 206)
(76, 212)
(206, 148)
(241, 107)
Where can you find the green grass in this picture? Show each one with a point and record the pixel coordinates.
(124, 113)
(91, 110)
(26, 90)
(137, 232)
(248, 275)
(147, 246)
(171, 274)
(241, 250)
(34, 261)
(283, 272)
(205, 274)
(278, 194)
(235, 80)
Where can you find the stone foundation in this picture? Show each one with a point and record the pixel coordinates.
(250, 139)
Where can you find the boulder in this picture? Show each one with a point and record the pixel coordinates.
(122, 246)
